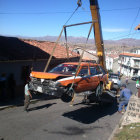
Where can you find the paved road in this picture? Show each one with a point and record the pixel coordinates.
(55, 120)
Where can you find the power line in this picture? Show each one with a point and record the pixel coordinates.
(33, 13)
(123, 36)
(72, 14)
(65, 12)
(121, 9)
(134, 20)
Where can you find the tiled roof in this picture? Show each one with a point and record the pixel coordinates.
(60, 51)
(12, 48)
(130, 54)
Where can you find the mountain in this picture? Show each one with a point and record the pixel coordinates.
(82, 40)
(127, 44)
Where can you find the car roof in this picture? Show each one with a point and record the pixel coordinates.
(82, 63)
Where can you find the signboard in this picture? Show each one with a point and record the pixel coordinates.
(132, 114)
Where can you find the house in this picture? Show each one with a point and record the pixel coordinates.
(19, 57)
(129, 64)
(111, 59)
(88, 56)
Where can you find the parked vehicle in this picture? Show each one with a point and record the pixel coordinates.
(62, 81)
(135, 77)
(114, 77)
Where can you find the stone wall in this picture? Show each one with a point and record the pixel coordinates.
(132, 114)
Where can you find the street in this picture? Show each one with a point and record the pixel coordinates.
(56, 120)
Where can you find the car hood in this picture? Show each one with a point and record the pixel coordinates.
(45, 75)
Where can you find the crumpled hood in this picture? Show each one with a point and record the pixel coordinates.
(45, 75)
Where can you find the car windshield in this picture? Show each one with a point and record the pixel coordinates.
(67, 69)
(114, 77)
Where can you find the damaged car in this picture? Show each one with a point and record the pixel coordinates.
(68, 78)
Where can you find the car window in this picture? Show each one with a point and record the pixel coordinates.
(64, 69)
(114, 77)
(93, 71)
(84, 70)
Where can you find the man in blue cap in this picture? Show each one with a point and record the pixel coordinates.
(125, 95)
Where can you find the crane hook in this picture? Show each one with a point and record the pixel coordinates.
(79, 3)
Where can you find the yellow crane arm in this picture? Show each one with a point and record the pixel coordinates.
(98, 32)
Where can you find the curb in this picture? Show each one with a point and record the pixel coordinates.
(116, 128)
(114, 131)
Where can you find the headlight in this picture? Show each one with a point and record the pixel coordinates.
(31, 74)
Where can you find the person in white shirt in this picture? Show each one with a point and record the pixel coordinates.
(28, 96)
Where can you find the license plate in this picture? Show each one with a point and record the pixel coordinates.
(39, 89)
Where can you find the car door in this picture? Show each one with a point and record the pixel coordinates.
(83, 80)
(94, 77)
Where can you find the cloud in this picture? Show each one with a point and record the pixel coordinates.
(114, 30)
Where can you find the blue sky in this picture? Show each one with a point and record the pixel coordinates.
(35, 18)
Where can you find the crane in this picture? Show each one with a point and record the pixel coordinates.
(85, 76)
(94, 8)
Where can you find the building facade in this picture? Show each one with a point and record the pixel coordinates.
(111, 60)
(129, 64)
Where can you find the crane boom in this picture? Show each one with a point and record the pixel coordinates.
(94, 8)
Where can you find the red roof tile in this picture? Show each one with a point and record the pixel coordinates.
(130, 54)
(60, 51)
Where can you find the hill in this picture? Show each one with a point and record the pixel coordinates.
(127, 44)
(71, 39)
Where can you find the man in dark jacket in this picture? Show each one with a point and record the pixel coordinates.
(125, 95)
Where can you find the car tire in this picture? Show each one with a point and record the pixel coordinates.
(67, 96)
(99, 90)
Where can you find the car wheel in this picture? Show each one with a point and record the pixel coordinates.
(99, 90)
(67, 96)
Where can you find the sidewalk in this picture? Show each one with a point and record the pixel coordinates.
(129, 118)
(20, 101)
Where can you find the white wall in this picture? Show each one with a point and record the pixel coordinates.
(109, 63)
(129, 65)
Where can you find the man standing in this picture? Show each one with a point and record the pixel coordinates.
(137, 82)
(28, 96)
(126, 80)
(124, 98)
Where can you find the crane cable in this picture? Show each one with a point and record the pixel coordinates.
(79, 3)
(67, 48)
(81, 56)
(46, 67)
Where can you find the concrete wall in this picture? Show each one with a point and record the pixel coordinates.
(109, 63)
(17, 66)
(115, 66)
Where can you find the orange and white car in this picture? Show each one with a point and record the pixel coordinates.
(62, 80)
